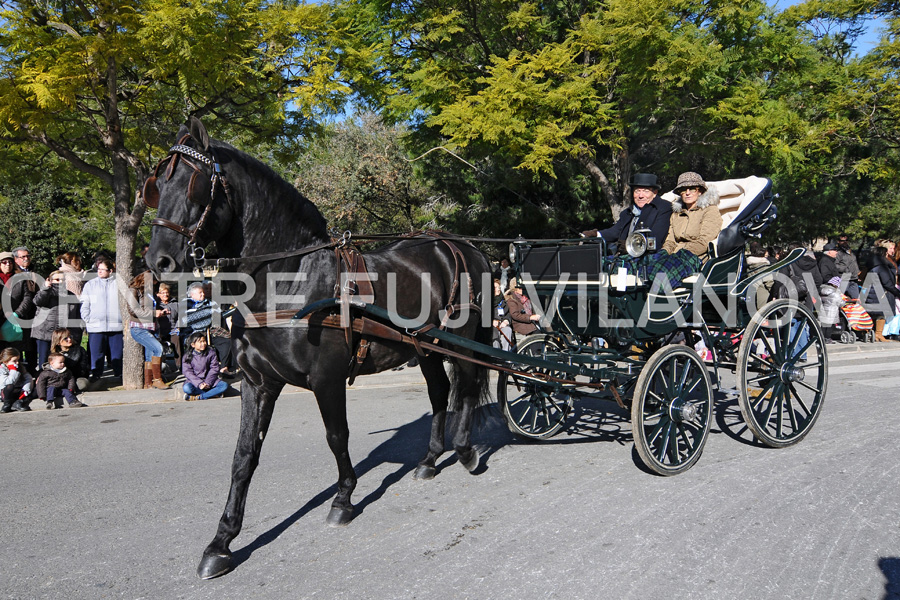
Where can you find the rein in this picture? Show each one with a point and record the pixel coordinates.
(218, 179)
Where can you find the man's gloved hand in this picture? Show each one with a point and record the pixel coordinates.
(591, 233)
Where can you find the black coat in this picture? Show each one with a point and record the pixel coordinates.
(78, 362)
(655, 216)
(53, 313)
(874, 301)
(828, 268)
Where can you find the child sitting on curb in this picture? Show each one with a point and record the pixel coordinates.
(201, 370)
(15, 385)
(56, 380)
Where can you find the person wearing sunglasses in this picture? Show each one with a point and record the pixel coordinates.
(78, 361)
(696, 220)
(56, 307)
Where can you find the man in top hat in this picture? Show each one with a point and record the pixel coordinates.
(648, 211)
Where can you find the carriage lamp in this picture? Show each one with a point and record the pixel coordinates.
(639, 243)
(513, 253)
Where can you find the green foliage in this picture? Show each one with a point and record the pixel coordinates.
(49, 222)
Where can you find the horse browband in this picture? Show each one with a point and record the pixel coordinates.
(217, 177)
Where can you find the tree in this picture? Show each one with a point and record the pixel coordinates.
(607, 88)
(103, 87)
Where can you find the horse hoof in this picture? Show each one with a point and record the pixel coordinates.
(339, 516)
(472, 463)
(214, 565)
(425, 472)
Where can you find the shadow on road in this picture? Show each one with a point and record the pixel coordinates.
(593, 420)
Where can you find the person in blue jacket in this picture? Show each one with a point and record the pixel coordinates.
(647, 211)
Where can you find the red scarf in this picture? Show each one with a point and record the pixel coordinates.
(4, 277)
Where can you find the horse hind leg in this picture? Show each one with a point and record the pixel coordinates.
(257, 404)
(332, 400)
(470, 386)
(438, 392)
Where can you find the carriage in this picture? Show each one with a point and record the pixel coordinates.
(611, 330)
(615, 333)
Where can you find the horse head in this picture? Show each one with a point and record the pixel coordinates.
(193, 198)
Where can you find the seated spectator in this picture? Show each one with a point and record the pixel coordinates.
(500, 319)
(199, 317)
(201, 370)
(15, 383)
(520, 311)
(55, 308)
(880, 298)
(142, 326)
(77, 359)
(504, 273)
(167, 323)
(102, 319)
(696, 220)
(56, 382)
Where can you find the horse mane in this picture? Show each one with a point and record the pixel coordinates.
(312, 225)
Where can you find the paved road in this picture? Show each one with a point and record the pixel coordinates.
(119, 501)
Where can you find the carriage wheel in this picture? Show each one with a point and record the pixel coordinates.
(672, 410)
(783, 373)
(534, 409)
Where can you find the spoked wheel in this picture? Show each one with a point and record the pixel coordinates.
(533, 407)
(783, 373)
(672, 410)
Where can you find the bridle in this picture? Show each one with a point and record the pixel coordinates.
(150, 192)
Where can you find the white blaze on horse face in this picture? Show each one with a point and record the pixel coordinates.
(424, 304)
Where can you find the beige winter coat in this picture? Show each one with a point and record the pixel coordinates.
(695, 228)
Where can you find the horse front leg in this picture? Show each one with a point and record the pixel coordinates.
(257, 404)
(438, 392)
(470, 382)
(332, 399)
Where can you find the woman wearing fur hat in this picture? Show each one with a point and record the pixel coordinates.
(696, 220)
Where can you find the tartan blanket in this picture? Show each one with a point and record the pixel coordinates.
(673, 267)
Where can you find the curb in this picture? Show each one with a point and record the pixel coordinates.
(122, 397)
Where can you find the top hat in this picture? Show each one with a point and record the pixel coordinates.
(646, 180)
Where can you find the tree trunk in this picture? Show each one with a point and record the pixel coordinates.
(613, 193)
(127, 223)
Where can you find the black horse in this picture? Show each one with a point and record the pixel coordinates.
(207, 191)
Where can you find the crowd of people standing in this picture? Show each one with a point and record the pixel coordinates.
(43, 353)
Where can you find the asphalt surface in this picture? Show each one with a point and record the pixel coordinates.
(119, 500)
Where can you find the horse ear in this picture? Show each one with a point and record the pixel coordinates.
(198, 132)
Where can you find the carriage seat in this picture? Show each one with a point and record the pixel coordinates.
(740, 200)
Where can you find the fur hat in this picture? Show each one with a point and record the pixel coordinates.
(647, 180)
(689, 179)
